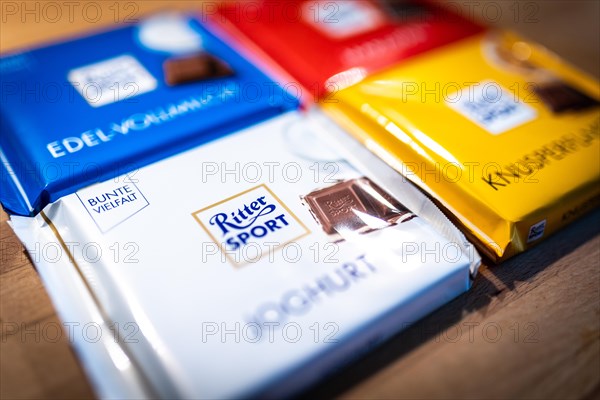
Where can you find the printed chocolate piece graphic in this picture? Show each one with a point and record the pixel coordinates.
(404, 9)
(344, 205)
(555, 94)
(194, 68)
(561, 97)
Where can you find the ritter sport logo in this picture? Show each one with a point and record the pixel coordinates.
(250, 224)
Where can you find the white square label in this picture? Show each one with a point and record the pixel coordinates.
(112, 80)
(111, 202)
(340, 19)
(250, 224)
(491, 107)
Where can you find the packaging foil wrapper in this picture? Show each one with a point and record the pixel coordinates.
(316, 48)
(502, 133)
(253, 265)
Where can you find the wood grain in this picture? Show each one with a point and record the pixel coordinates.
(529, 328)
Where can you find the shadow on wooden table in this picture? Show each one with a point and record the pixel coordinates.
(492, 284)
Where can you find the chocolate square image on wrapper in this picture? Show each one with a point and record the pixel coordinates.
(193, 68)
(556, 94)
(403, 10)
(561, 97)
(355, 205)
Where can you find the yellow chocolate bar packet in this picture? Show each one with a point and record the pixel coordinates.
(500, 131)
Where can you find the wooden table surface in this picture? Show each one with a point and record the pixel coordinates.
(529, 328)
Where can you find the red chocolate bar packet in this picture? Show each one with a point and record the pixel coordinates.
(318, 47)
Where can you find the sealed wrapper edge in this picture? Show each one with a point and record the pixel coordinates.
(75, 304)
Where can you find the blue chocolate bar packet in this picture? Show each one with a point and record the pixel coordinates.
(83, 111)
